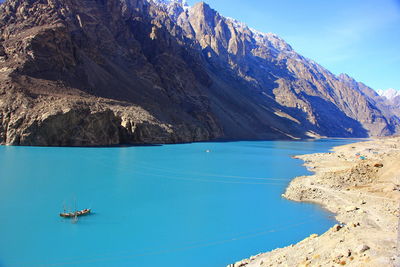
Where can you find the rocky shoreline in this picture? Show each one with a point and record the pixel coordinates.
(360, 183)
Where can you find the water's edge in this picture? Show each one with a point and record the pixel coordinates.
(317, 202)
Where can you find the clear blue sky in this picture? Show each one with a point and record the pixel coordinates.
(357, 37)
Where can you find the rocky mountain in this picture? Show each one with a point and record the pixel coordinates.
(389, 100)
(109, 72)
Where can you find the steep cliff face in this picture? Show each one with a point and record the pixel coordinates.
(327, 104)
(395, 105)
(82, 55)
(107, 72)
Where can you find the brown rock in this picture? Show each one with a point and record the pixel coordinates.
(195, 74)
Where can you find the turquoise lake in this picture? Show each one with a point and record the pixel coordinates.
(171, 205)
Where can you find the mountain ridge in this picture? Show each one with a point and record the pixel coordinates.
(389, 93)
(163, 73)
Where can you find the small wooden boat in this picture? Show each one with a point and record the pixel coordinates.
(75, 214)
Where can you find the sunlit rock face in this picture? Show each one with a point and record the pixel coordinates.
(111, 72)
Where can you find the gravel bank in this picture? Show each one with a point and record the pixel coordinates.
(360, 183)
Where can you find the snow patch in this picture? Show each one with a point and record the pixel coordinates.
(183, 3)
(236, 23)
(388, 93)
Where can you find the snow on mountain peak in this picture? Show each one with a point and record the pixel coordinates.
(388, 93)
(236, 23)
(183, 3)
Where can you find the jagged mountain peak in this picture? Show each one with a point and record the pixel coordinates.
(183, 3)
(203, 8)
(390, 93)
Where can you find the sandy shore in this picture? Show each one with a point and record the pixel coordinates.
(360, 183)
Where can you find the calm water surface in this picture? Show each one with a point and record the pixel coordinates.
(172, 205)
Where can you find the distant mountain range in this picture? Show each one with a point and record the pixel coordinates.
(390, 100)
(389, 93)
(90, 72)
